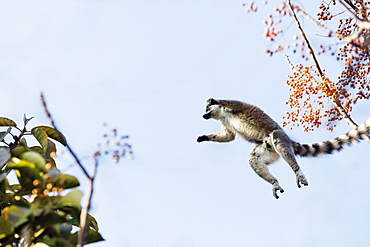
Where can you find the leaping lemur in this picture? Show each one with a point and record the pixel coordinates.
(255, 126)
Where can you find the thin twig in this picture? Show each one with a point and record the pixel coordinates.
(349, 10)
(364, 24)
(85, 210)
(319, 24)
(55, 127)
(361, 25)
(289, 62)
(335, 101)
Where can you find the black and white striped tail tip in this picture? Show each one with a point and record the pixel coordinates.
(335, 145)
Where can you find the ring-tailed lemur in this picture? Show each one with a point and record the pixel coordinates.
(255, 126)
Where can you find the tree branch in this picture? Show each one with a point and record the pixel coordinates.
(85, 210)
(319, 24)
(363, 23)
(351, 4)
(55, 127)
(335, 101)
(84, 214)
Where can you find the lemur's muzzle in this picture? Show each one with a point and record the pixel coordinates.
(207, 115)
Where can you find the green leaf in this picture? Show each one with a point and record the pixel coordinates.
(56, 242)
(51, 150)
(93, 223)
(6, 122)
(66, 181)
(26, 174)
(26, 120)
(72, 212)
(92, 237)
(15, 215)
(5, 228)
(35, 158)
(23, 142)
(54, 134)
(38, 149)
(42, 206)
(4, 157)
(72, 199)
(17, 163)
(3, 134)
(64, 230)
(41, 137)
(50, 219)
(18, 151)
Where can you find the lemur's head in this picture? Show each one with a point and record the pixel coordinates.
(213, 111)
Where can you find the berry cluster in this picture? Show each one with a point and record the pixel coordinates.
(308, 99)
(252, 7)
(324, 14)
(115, 146)
(355, 76)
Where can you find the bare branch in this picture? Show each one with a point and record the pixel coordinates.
(351, 4)
(67, 146)
(363, 24)
(84, 212)
(349, 10)
(319, 24)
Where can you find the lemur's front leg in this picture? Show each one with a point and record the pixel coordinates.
(224, 136)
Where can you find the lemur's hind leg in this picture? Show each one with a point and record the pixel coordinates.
(283, 145)
(261, 156)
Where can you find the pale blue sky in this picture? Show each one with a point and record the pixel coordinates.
(147, 67)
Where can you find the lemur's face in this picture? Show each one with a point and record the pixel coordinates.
(213, 111)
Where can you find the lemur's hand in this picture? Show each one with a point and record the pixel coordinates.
(203, 138)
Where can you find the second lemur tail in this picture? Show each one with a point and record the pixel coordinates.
(337, 144)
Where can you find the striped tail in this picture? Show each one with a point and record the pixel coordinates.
(337, 144)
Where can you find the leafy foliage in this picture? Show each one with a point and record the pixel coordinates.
(44, 205)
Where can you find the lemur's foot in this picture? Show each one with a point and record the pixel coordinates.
(301, 179)
(275, 188)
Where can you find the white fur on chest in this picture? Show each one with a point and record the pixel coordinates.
(243, 129)
(236, 126)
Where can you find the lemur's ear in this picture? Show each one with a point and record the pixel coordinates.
(211, 101)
